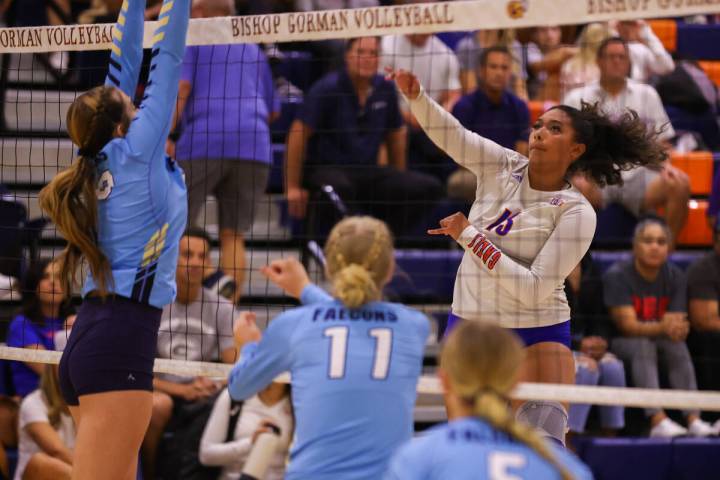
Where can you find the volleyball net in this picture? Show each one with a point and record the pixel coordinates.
(288, 78)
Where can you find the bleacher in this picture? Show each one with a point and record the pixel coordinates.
(32, 152)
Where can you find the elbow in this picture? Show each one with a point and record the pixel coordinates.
(205, 456)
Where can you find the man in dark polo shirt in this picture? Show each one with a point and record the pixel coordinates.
(350, 134)
(492, 111)
(703, 299)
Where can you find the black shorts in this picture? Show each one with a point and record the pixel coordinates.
(111, 347)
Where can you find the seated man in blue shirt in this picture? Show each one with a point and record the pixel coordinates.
(492, 111)
(350, 134)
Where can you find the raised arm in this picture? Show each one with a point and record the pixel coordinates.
(561, 253)
(126, 51)
(260, 362)
(151, 126)
(476, 153)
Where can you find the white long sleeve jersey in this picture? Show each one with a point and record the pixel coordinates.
(522, 243)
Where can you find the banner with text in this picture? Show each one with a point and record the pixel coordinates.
(338, 24)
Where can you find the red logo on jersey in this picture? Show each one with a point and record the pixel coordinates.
(485, 250)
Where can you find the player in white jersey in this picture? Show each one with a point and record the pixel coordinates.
(529, 227)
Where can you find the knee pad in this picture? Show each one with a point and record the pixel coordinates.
(550, 418)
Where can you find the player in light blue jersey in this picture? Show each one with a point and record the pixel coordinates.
(122, 207)
(479, 366)
(354, 360)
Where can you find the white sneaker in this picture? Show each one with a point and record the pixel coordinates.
(667, 429)
(700, 428)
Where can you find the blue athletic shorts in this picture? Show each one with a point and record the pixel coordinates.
(558, 333)
(112, 347)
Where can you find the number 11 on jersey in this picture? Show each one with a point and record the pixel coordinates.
(338, 351)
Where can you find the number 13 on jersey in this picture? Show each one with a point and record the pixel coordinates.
(338, 351)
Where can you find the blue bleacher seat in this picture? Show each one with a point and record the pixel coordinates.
(425, 273)
(695, 458)
(628, 458)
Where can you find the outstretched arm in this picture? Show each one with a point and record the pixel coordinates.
(151, 126)
(261, 361)
(126, 51)
(476, 153)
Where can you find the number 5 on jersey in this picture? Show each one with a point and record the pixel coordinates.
(338, 351)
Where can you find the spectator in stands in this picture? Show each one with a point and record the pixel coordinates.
(44, 307)
(351, 132)
(226, 102)
(197, 326)
(9, 408)
(591, 331)
(493, 112)
(46, 432)
(546, 56)
(234, 426)
(643, 190)
(470, 49)
(703, 297)
(648, 56)
(437, 68)
(646, 298)
(582, 68)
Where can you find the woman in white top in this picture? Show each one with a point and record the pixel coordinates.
(46, 433)
(529, 227)
(270, 406)
(582, 68)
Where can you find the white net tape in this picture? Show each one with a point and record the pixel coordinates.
(392, 20)
(630, 397)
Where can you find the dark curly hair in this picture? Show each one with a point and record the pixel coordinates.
(612, 147)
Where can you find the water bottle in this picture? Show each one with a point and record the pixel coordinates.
(261, 455)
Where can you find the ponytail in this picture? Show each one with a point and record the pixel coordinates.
(71, 203)
(359, 260)
(492, 408)
(354, 286)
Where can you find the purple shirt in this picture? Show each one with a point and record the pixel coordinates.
(226, 115)
(22, 333)
(505, 123)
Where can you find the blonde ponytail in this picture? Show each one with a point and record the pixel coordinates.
(482, 361)
(492, 408)
(354, 286)
(360, 258)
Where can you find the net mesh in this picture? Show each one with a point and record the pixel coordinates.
(44, 68)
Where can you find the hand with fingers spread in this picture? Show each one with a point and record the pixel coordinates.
(452, 226)
(246, 330)
(406, 82)
(288, 274)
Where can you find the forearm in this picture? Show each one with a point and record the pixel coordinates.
(465, 147)
(662, 61)
(397, 144)
(184, 90)
(295, 152)
(126, 50)
(222, 454)
(635, 328)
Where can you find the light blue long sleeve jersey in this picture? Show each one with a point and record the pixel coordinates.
(470, 449)
(354, 380)
(142, 200)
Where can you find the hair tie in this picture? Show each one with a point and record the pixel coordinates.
(82, 152)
